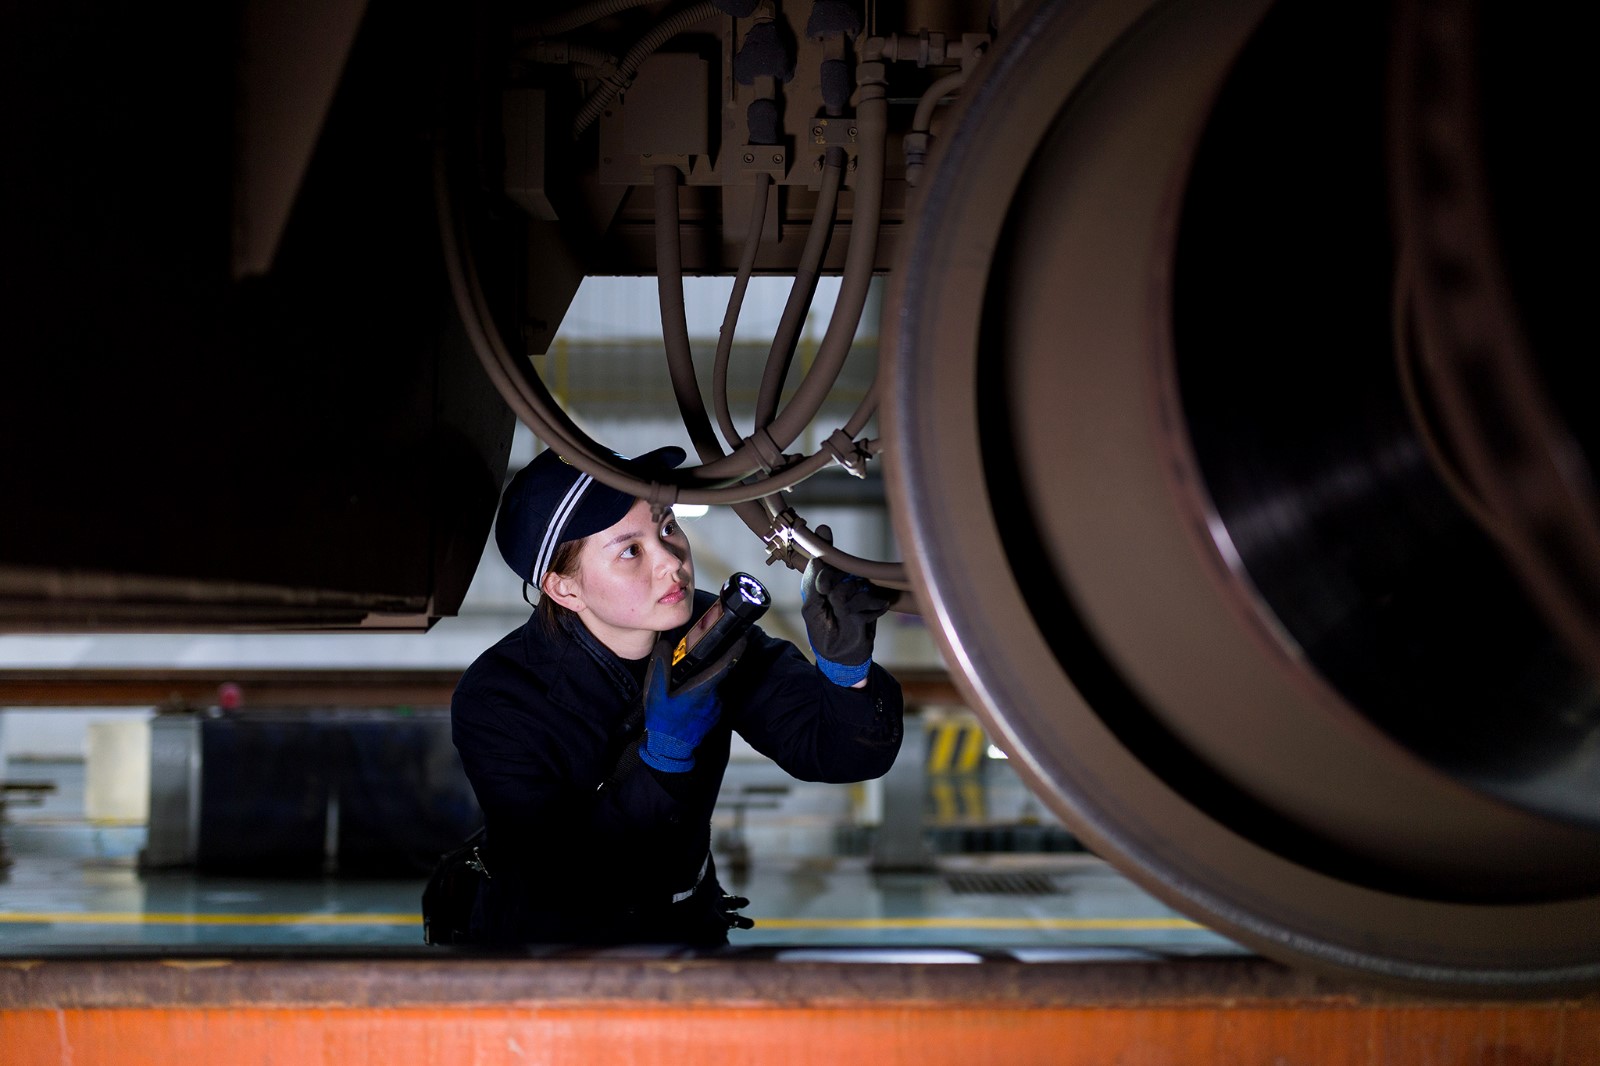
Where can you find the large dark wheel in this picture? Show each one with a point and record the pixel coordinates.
(1195, 505)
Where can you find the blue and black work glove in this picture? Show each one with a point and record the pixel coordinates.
(841, 612)
(675, 723)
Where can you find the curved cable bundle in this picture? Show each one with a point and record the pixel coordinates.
(741, 478)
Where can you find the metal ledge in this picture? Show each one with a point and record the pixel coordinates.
(757, 979)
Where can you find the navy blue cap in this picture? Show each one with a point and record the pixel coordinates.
(550, 501)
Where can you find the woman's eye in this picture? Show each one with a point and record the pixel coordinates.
(669, 529)
(630, 551)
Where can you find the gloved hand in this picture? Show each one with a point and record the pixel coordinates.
(841, 612)
(675, 724)
(730, 906)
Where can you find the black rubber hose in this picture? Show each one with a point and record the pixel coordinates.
(801, 293)
(730, 320)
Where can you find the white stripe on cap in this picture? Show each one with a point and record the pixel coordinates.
(558, 523)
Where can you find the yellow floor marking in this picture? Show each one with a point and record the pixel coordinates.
(134, 918)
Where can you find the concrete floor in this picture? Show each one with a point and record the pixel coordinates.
(103, 962)
(74, 886)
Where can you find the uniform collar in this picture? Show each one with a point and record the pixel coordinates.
(574, 632)
(610, 665)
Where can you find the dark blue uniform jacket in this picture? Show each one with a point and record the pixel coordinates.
(540, 720)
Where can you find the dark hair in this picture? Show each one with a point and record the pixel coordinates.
(564, 563)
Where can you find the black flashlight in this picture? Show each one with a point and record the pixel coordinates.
(742, 600)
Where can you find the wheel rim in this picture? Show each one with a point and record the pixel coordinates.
(1192, 745)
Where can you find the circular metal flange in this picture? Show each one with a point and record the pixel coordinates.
(1082, 586)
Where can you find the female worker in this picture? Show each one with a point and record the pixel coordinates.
(598, 817)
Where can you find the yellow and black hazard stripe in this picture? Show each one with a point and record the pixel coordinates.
(955, 799)
(956, 746)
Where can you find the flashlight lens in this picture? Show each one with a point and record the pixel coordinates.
(752, 590)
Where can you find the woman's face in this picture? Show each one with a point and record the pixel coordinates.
(634, 581)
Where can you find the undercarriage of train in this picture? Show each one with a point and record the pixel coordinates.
(1230, 418)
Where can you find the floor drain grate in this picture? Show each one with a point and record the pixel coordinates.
(1001, 884)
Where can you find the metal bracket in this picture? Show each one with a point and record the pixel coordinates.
(661, 498)
(780, 539)
(772, 159)
(848, 453)
(829, 132)
(825, 133)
